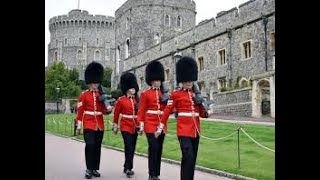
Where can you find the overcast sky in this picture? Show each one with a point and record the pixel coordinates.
(206, 9)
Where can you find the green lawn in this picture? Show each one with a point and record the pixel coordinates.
(256, 162)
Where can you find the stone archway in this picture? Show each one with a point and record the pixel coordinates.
(261, 98)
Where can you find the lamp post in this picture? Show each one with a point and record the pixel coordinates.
(57, 92)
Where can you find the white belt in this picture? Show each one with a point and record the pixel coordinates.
(188, 114)
(129, 116)
(93, 112)
(154, 112)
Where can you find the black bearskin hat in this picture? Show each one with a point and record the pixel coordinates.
(187, 69)
(154, 71)
(127, 81)
(93, 73)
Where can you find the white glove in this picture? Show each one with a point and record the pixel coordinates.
(141, 128)
(159, 130)
(79, 124)
(115, 128)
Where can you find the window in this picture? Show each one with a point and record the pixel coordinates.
(127, 23)
(222, 57)
(79, 55)
(222, 83)
(56, 56)
(179, 21)
(167, 75)
(65, 41)
(246, 50)
(201, 64)
(167, 20)
(141, 82)
(127, 54)
(97, 56)
(97, 41)
(272, 40)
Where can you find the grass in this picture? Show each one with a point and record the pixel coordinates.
(256, 162)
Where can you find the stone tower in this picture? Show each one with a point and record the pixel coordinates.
(142, 24)
(79, 38)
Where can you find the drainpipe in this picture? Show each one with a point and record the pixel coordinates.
(265, 22)
(229, 61)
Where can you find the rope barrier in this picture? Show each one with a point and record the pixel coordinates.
(217, 139)
(256, 141)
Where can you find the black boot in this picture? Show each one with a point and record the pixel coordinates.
(95, 173)
(88, 174)
(129, 173)
(153, 178)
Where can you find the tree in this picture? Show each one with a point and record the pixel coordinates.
(106, 82)
(57, 76)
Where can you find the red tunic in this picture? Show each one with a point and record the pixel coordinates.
(149, 106)
(91, 110)
(187, 125)
(125, 106)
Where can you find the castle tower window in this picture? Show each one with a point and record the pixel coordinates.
(68, 24)
(71, 23)
(89, 23)
(222, 84)
(179, 21)
(167, 20)
(65, 41)
(93, 23)
(64, 24)
(97, 56)
(98, 23)
(222, 57)
(56, 56)
(127, 54)
(76, 23)
(97, 41)
(80, 23)
(246, 50)
(127, 23)
(201, 63)
(167, 74)
(102, 24)
(79, 55)
(272, 40)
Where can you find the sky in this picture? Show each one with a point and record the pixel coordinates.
(206, 9)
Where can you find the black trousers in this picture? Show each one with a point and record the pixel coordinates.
(130, 141)
(154, 153)
(93, 141)
(189, 149)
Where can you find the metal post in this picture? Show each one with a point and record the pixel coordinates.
(238, 147)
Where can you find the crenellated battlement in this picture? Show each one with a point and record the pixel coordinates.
(78, 18)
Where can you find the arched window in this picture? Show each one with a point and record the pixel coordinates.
(79, 55)
(127, 54)
(167, 20)
(179, 21)
(97, 55)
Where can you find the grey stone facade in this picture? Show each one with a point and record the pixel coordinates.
(230, 31)
(79, 38)
(140, 33)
